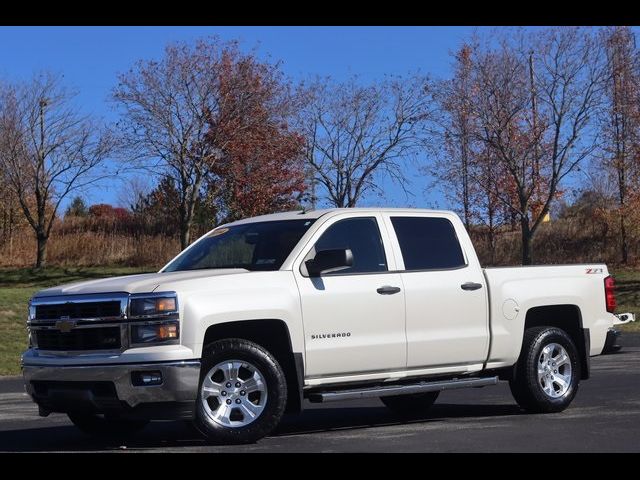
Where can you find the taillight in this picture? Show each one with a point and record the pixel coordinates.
(610, 294)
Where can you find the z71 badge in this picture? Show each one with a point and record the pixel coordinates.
(595, 270)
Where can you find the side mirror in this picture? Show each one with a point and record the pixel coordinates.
(327, 261)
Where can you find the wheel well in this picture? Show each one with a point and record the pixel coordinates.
(273, 335)
(567, 318)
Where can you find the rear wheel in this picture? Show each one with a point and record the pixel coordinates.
(548, 371)
(410, 404)
(105, 425)
(242, 393)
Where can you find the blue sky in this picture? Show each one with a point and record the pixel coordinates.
(91, 57)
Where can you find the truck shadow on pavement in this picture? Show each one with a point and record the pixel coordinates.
(330, 419)
(164, 435)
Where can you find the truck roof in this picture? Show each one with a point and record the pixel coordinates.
(313, 214)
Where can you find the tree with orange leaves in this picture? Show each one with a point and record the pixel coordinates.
(262, 169)
(537, 94)
(621, 125)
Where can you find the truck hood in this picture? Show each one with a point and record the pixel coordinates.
(143, 283)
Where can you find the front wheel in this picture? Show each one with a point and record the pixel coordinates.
(242, 393)
(548, 371)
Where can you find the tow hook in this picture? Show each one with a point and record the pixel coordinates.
(622, 318)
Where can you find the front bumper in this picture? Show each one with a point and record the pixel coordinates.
(107, 388)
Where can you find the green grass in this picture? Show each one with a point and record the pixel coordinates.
(628, 296)
(17, 286)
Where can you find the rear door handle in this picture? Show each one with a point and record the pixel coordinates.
(388, 290)
(471, 286)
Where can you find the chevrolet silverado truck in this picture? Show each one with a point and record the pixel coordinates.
(329, 305)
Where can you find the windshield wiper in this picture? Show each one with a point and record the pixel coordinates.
(225, 267)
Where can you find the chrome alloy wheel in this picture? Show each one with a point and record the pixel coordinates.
(233, 393)
(554, 370)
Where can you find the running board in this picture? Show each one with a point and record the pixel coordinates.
(386, 391)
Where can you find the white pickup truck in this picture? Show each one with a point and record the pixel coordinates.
(325, 305)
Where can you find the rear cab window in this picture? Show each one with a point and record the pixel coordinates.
(428, 243)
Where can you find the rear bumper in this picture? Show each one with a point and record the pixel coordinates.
(108, 388)
(612, 342)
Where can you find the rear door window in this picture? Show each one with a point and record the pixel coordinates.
(428, 243)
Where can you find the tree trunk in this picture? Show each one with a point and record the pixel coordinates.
(622, 195)
(41, 255)
(491, 237)
(465, 185)
(624, 246)
(492, 246)
(186, 221)
(185, 234)
(526, 240)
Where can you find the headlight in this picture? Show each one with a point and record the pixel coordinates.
(153, 305)
(153, 332)
(154, 319)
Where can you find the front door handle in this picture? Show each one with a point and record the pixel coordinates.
(471, 286)
(388, 290)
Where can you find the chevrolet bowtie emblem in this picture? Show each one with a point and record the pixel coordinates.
(65, 325)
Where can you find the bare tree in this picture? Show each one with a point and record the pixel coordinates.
(456, 132)
(621, 122)
(132, 190)
(10, 218)
(465, 169)
(48, 149)
(165, 105)
(355, 132)
(170, 111)
(537, 96)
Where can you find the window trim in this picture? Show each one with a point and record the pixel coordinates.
(396, 242)
(384, 272)
(302, 268)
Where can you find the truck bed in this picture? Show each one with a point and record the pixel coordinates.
(513, 291)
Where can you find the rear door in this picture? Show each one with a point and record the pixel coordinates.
(445, 292)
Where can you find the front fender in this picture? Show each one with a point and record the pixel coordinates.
(248, 296)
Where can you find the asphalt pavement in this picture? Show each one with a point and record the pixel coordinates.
(604, 417)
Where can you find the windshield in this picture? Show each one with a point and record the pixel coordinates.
(254, 246)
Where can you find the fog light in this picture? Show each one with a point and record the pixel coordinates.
(146, 379)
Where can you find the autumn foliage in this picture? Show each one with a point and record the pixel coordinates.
(262, 168)
(529, 125)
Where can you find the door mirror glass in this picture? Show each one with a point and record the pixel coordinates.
(327, 261)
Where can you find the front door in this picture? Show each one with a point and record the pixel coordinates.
(354, 319)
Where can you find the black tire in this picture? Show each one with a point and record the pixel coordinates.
(276, 392)
(413, 404)
(108, 426)
(526, 388)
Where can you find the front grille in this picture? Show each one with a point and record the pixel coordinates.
(77, 310)
(103, 338)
